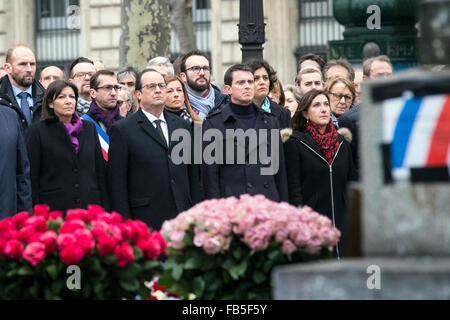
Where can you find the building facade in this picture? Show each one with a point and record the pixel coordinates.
(60, 30)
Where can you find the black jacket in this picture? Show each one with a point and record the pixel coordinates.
(15, 186)
(7, 99)
(312, 181)
(144, 183)
(282, 114)
(225, 180)
(350, 120)
(220, 99)
(60, 177)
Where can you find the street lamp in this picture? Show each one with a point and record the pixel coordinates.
(251, 29)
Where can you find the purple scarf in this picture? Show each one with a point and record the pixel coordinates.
(73, 129)
(107, 117)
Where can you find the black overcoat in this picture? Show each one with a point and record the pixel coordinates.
(144, 183)
(60, 177)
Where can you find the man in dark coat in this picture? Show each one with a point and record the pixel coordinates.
(250, 176)
(15, 187)
(144, 182)
(19, 90)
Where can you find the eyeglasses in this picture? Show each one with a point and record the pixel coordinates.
(340, 96)
(109, 88)
(81, 75)
(196, 69)
(152, 86)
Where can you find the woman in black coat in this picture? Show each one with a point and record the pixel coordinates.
(319, 162)
(67, 168)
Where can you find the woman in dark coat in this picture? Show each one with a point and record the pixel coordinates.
(319, 162)
(67, 167)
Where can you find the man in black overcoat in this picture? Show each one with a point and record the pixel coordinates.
(143, 180)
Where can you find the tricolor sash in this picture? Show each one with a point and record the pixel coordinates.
(102, 136)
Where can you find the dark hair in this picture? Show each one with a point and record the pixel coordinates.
(128, 71)
(190, 54)
(138, 80)
(177, 64)
(298, 121)
(77, 61)
(257, 64)
(313, 57)
(367, 64)
(340, 62)
(228, 77)
(53, 90)
(94, 79)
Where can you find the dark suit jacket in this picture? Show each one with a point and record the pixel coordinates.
(225, 180)
(59, 177)
(144, 183)
(281, 113)
(350, 120)
(7, 99)
(15, 187)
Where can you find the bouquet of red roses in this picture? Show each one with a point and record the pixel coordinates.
(88, 254)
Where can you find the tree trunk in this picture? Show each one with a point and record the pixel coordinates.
(181, 21)
(145, 32)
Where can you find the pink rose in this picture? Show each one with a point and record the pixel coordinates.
(41, 210)
(20, 218)
(72, 225)
(106, 244)
(176, 239)
(99, 228)
(35, 237)
(93, 211)
(13, 249)
(76, 214)
(85, 240)
(25, 233)
(139, 229)
(200, 238)
(126, 231)
(281, 235)
(71, 254)
(116, 218)
(124, 253)
(38, 222)
(212, 245)
(6, 225)
(55, 215)
(49, 240)
(115, 232)
(34, 252)
(66, 239)
(288, 247)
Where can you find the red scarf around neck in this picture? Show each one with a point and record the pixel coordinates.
(328, 141)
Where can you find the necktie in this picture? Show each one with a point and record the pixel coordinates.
(25, 106)
(159, 129)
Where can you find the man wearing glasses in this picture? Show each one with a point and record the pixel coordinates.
(196, 75)
(104, 111)
(144, 181)
(80, 72)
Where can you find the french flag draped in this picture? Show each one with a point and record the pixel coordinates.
(102, 136)
(417, 133)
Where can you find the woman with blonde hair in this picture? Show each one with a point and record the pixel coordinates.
(177, 100)
(341, 92)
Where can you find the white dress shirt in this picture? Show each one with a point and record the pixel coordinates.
(163, 122)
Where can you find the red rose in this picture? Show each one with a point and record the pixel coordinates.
(34, 252)
(94, 211)
(72, 225)
(106, 244)
(25, 233)
(124, 253)
(126, 230)
(85, 240)
(99, 228)
(20, 218)
(39, 223)
(116, 217)
(2, 247)
(157, 236)
(41, 210)
(36, 237)
(13, 249)
(139, 229)
(76, 214)
(6, 225)
(71, 254)
(65, 240)
(55, 215)
(115, 232)
(104, 217)
(49, 240)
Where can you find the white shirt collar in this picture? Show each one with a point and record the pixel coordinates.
(18, 91)
(152, 118)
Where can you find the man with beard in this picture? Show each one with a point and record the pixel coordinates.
(80, 72)
(196, 75)
(104, 111)
(19, 90)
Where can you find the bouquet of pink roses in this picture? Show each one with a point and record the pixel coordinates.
(226, 248)
(114, 257)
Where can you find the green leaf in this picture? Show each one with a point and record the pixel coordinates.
(52, 271)
(134, 269)
(110, 259)
(137, 253)
(130, 286)
(166, 279)
(25, 271)
(198, 286)
(149, 265)
(192, 263)
(201, 226)
(274, 254)
(238, 269)
(237, 253)
(188, 238)
(259, 277)
(268, 266)
(177, 271)
(11, 273)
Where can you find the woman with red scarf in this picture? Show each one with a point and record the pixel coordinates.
(66, 165)
(319, 162)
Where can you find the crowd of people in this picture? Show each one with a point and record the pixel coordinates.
(97, 137)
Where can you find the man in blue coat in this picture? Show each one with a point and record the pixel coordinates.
(15, 186)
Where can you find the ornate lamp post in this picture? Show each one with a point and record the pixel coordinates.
(251, 29)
